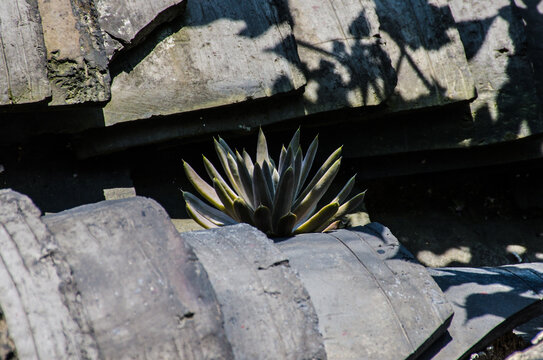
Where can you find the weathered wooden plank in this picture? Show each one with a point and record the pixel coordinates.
(494, 36)
(143, 290)
(341, 53)
(36, 288)
(425, 48)
(221, 52)
(77, 63)
(487, 302)
(358, 53)
(23, 76)
(126, 22)
(351, 60)
(373, 300)
(268, 313)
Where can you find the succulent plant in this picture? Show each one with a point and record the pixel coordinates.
(273, 198)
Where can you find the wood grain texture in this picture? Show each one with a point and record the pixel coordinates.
(373, 300)
(23, 70)
(144, 291)
(33, 295)
(268, 314)
(221, 52)
(126, 22)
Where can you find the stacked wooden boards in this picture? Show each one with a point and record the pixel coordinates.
(115, 280)
(128, 285)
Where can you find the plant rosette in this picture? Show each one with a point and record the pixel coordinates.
(274, 199)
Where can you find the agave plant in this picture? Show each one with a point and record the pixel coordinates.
(273, 198)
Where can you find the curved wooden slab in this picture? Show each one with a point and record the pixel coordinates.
(31, 275)
(143, 289)
(373, 300)
(268, 313)
(487, 302)
(224, 51)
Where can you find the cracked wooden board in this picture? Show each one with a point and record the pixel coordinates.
(268, 313)
(487, 302)
(36, 293)
(126, 22)
(143, 290)
(373, 300)
(76, 59)
(402, 56)
(220, 52)
(23, 70)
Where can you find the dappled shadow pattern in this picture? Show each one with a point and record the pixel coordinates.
(497, 43)
(488, 302)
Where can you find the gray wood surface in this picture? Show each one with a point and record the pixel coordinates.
(406, 53)
(221, 52)
(76, 59)
(143, 290)
(126, 22)
(23, 76)
(495, 40)
(344, 61)
(268, 313)
(488, 302)
(420, 37)
(33, 296)
(373, 300)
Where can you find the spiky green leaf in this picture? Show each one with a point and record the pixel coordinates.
(297, 165)
(344, 209)
(308, 162)
(243, 211)
(225, 146)
(344, 193)
(263, 219)
(199, 218)
(321, 218)
(246, 179)
(261, 191)
(316, 193)
(223, 158)
(202, 187)
(283, 197)
(282, 160)
(320, 173)
(213, 173)
(350, 205)
(285, 225)
(268, 177)
(248, 161)
(217, 217)
(228, 202)
(261, 148)
(295, 142)
(236, 179)
(275, 177)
